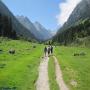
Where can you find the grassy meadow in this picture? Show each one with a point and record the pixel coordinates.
(75, 68)
(19, 71)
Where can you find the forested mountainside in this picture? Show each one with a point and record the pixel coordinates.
(6, 27)
(14, 24)
(77, 26)
(75, 34)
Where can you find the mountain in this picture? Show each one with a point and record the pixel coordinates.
(29, 25)
(16, 25)
(36, 28)
(46, 34)
(77, 26)
(81, 12)
(53, 32)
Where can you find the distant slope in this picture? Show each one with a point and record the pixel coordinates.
(77, 26)
(43, 31)
(29, 25)
(36, 28)
(17, 26)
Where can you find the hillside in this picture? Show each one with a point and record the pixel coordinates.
(16, 26)
(46, 34)
(77, 26)
(77, 34)
(29, 25)
(36, 28)
(81, 12)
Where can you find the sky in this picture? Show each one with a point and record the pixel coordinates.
(52, 14)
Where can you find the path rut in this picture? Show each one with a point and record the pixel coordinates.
(59, 77)
(43, 80)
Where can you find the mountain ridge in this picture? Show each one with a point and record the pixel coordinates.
(16, 25)
(36, 28)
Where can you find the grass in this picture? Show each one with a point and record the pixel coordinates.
(20, 70)
(76, 69)
(52, 76)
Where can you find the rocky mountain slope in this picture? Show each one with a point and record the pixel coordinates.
(29, 25)
(36, 28)
(46, 34)
(16, 25)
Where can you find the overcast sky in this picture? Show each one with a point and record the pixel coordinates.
(50, 13)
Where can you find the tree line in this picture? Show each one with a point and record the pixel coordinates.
(71, 34)
(6, 29)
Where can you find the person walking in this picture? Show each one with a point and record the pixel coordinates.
(51, 49)
(48, 50)
(45, 51)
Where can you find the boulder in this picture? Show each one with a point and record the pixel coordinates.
(76, 54)
(34, 46)
(82, 54)
(12, 51)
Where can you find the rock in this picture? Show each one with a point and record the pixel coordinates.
(82, 54)
(12, 51)
(73, 83)
(34, 46)
(76, 54)
(1, 50)
(2, 65)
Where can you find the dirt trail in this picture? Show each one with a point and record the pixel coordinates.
(43, 80)
(59, 77)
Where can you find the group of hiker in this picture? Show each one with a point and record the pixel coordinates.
(48, 50)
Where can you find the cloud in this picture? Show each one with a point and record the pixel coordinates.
(66, 9)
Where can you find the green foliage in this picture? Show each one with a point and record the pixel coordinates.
(6, 29)
(68, 36)
(82, 42)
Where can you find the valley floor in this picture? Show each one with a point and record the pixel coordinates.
(19, 71)
(68, 69)
(75, 66)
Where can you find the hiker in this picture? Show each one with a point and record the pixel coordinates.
(48, 50)
(51, 49)
(45, 51)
